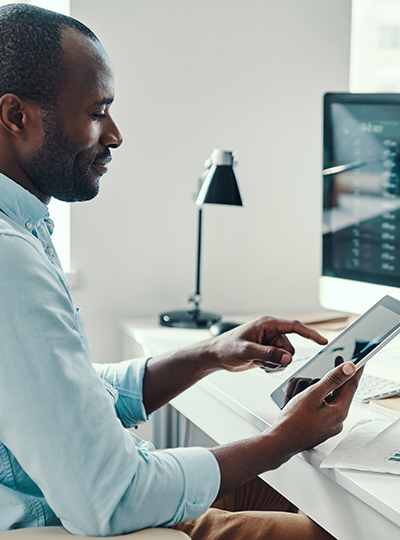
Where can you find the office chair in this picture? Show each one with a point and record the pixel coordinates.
(58, 533)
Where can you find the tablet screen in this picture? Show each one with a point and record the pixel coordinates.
(359, 340)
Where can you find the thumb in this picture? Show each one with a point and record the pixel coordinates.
(265, 354)
(334, 379)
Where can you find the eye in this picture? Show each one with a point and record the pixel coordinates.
(99, 116)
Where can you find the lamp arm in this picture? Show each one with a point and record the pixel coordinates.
(196, 296)
(199, 251)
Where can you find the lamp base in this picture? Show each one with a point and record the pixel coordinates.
(194, 318)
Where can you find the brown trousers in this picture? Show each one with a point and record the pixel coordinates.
(254, 511)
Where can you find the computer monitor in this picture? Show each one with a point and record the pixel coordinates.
(361, 200)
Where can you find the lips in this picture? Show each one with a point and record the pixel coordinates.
(101, 164)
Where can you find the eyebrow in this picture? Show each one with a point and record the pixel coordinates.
(105, 101)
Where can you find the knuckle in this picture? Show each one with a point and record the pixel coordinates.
(295, 323)
(269, 354)
(270, 351)
(275, 355)
(333, 379)
(260, 323)
(247, 349)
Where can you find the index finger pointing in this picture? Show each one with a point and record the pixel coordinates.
(297, 327)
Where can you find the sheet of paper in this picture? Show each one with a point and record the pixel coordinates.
(372, 445)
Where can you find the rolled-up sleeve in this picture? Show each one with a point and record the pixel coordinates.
(58, 421)
(200, 468)
(127, 379)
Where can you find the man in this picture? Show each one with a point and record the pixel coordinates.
(65, 455)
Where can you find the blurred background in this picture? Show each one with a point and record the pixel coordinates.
(191, 76)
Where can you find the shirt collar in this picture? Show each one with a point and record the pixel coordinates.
(20, 205)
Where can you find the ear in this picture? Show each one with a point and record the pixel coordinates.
(16, 114)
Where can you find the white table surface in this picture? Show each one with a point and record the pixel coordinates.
(351, 505)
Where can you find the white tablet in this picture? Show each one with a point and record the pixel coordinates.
(357, 344)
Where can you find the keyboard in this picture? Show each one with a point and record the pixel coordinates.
(371, 387)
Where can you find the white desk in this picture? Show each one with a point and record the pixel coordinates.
(231, 406)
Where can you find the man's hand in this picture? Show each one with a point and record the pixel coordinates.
(261, 342)
(311, 417)
(317, 413)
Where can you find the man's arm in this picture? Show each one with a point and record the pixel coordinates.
(307, 420)
(260, 342)
(59, 423)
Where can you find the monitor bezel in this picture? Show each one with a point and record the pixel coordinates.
(337, 293)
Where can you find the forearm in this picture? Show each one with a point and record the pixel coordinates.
(262, 340)
(169, 374)
(242, 461)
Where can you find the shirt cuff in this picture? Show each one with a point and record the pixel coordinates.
(202, 480)
(127, 378)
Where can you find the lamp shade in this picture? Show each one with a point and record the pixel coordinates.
(220, 185)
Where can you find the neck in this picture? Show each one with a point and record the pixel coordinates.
(18, 175)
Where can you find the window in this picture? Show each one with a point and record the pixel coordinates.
(375, 46)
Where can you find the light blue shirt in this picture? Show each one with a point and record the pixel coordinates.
(65, 453)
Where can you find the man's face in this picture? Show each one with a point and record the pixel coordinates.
(79, 132)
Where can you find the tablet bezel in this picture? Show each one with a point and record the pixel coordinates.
(279, 395)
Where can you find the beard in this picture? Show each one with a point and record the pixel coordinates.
(60, 169)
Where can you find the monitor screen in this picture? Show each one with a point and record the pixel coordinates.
(361, 198)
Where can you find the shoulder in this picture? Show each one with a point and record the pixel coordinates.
(9, 226)
(16, 244)
(23, 261)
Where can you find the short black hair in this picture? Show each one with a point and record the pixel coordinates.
(31, 65)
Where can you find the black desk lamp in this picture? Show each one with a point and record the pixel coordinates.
(219, 187)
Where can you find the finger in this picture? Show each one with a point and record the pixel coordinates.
(346, 391)
(335, 379)
(297, 327)
(291, 388)
(352, 383)
(302, 384)
(270, 355)
(339, 360)
(282, 342)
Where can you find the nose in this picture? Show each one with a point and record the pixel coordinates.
(111, 136)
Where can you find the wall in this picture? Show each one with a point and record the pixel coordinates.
(191, 76)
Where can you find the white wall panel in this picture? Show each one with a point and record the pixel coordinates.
(193, 75)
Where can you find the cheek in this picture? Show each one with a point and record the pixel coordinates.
(83, 132)
(83, 158)
(84, 147)
(32, 145)
(85, 141)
